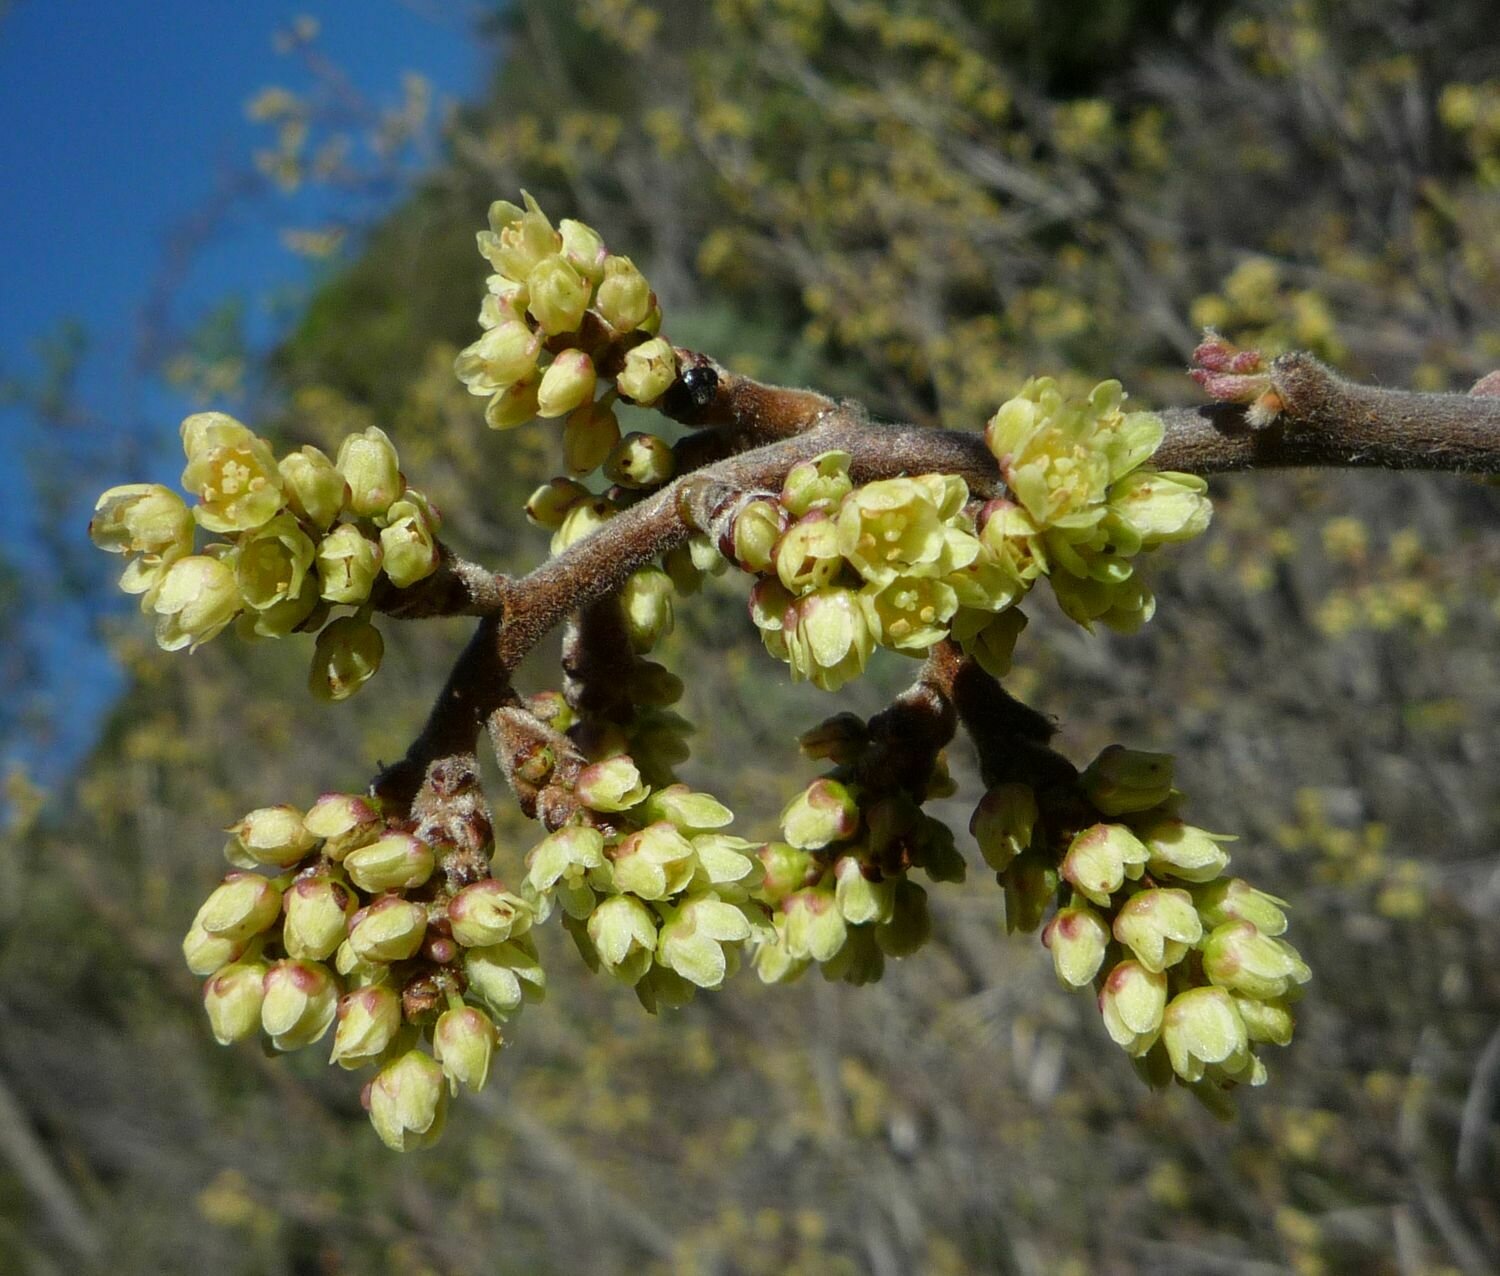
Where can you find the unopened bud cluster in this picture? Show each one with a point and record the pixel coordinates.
(304, 535)
(408, 951)
(1189, 965)
(562, 315)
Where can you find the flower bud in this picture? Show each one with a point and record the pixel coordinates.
(315, 489)
(1182, 851)
(1077, 938)
(681, 807)
(1030, 883)
(827, 637)
(822, 813)
(611, 785)
(346, 656)
(197, 597)
(568, 381)
(589, 436)
(1132, 1002)
(1100, 859)
(231, 471)
(485, 913)
(1238, 957)
(1201, 1027)
(550, 503)
(655, 863)
(649, 369)
(274, 835)
(582, 248)
(623, 932)
(514, 405)
(861, 897)
(1235, 899)
(624, 297)
(1269, 1022)
(815, 928)
(408, 1102)
(232, 999)
(391, 929)
(646, 600)
(818, 484)
(345, 821)
(786, 869)
(724, 863)
(1003, 822)
(559, 295)
(640, 461)
(142, 518)
(300, 1000)
(348, 562)
(464, 1042)
(396, 862)
(205, 953)
(754, 535)
(318, 910)
(242, 906)
(692, 939)
(368, 1019)
(369, 465)
(1123, 781)
(1162, 507)
(408, 544)
(1158, 926)
(582, 519)
(504, 976)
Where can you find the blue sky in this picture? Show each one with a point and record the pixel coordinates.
(119, 119)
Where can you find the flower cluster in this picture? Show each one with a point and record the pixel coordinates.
(1190, 969)
(305, 534)
(561, 314)
(407, 948)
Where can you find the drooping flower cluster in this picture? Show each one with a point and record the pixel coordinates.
(409, 950)
(557, 302)
(1190, 968)
(304, 535)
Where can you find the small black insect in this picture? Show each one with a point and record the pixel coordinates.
(701, 384)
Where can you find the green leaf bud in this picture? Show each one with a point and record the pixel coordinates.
(559, 295)
(390, 929)
(840, 739)
(196, 599)
(640, 461)
(1182, 851)
(513, 406)
(1030, 884)
(624, 298)
(232, 999)
(205, 953)
(273, 835)
(1077, 938)
(1162, 508)
(823, 813)
(815, 928)
(646, 601)
(1158, 926)
(656, 862)
(300, 1000)
(396, 862)
(231, 471)
(1239, 958)
(1123, 781)
(241, 906)
(1100, 858)
(649, 369)
(662, 989)
(409, 547)
(369, 465)
(318, 910)
(368, 1020)
(862, 895)
(409, 1103)
(583, 248)
(807, 555)
(623, 932)
(1234, 899)
(484, 913)
(348, 563)
(464, 1042)
(518, 240)
(567, 855)
(692, 939)
(550, 503)
(568, 381)
(505, 976)
(345, 821)
(590, 435)
(652, 684)
(315, 489)
(143, 518)
(1133, 1002)
(910, 925)
(1201, 1027)
(1003, 823)
(990, 639)
(346, 656)
(611, 785)
(818, 484)
(827, 637)
(582, 520)
(860, 961)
